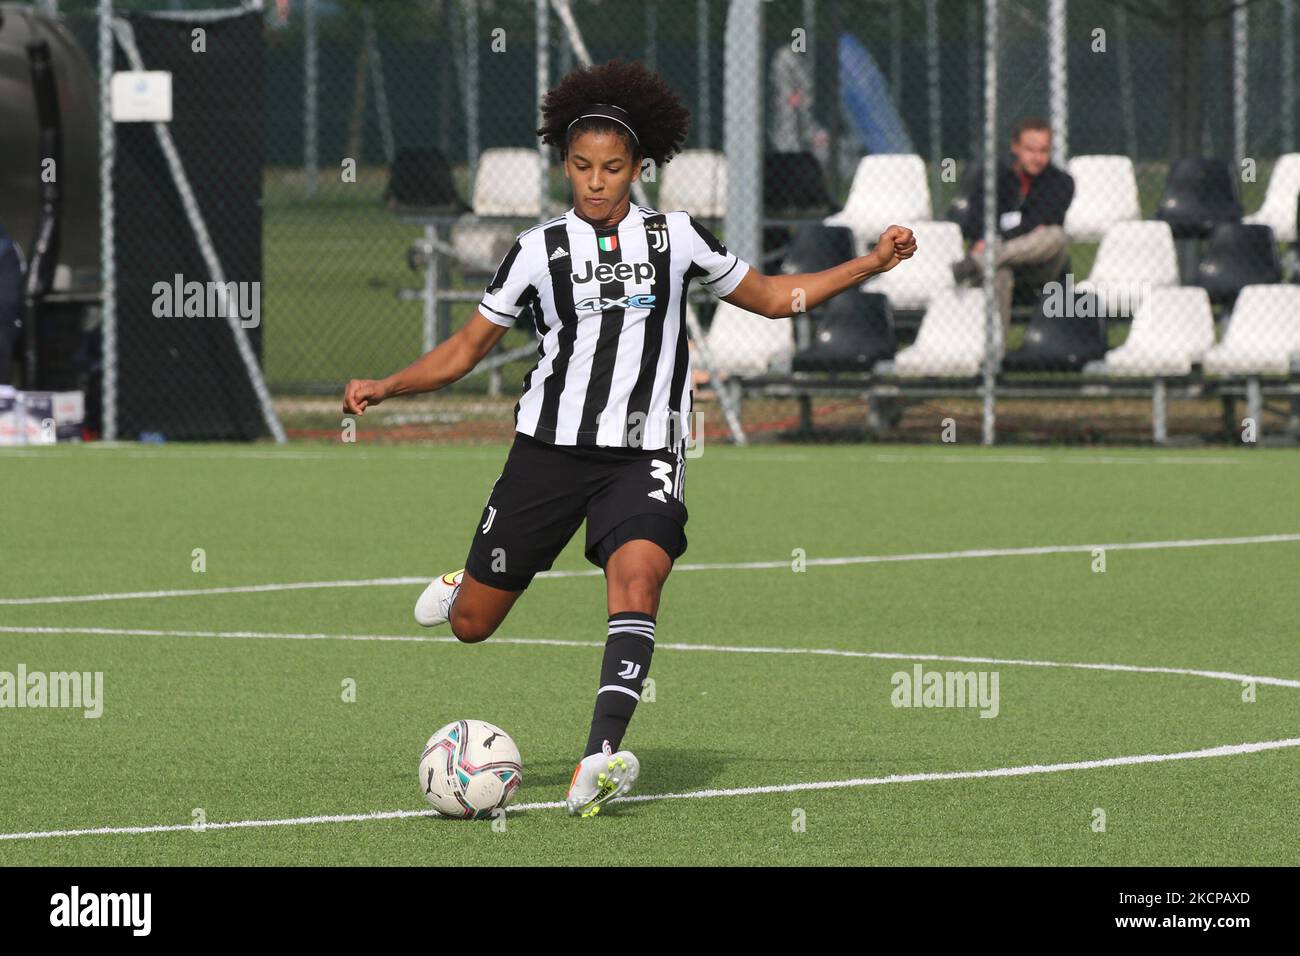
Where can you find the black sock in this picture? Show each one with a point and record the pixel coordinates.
(628, 648)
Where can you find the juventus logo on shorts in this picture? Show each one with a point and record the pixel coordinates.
(487, 525)
(657, 234)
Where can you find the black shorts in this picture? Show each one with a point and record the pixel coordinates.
(546, 491)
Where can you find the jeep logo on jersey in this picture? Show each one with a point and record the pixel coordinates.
(636, 272)
(598, 303)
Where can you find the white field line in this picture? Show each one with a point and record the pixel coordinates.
(895, 458)
(723, 455)
(270, 454)
(709, 648)
(192, 592)
(720, 566)
(1226, 750)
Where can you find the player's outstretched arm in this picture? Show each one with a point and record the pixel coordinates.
(780, 296)
(442, 365)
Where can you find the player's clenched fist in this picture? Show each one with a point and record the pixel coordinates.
(896, 244)
(360, 394)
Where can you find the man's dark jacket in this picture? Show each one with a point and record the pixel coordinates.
(1050, 193)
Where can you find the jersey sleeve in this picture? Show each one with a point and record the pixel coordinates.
(722, 269)
(511, 288)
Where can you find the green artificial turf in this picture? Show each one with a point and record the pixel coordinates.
(255, 728)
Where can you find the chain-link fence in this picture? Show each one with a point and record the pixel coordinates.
(1134, 280)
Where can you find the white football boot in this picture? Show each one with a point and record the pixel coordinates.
(434, 606)
(599, 779)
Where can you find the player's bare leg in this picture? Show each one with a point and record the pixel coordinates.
(480, 609)
(474, 609)
(634, 576)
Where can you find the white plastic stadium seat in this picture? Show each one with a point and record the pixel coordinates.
(1105, 192)
(913, 284)
(746, 343)
(1172, 329)
(887, 189)
(1133, 259)
(480, 246)
(509, 184)
(1263, 333)
(950, 341)
(1279, 208)
(695, 180)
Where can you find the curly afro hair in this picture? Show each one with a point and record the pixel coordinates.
(655, 112)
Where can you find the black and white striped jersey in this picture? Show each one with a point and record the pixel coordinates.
(609, 309)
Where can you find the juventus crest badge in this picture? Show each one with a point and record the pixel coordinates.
(657, 235)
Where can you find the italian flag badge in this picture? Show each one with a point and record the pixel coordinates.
(607, 243)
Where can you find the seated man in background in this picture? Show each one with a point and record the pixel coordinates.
(1033, 196)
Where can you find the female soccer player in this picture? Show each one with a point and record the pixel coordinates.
(600, 427)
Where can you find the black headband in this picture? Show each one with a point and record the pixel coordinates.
(611, 112)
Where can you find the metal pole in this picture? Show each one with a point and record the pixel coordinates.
(1059, 92)
(471, 90)
(565, 66)
(1255, 405)
(1159, 412)
(310, 107)
(728, 397)
(376, 62)
(107, 263)
(809, 19)
(1240, 52)
(1288, 75)
(992, 317)
(651, 34)
(449, 53)
(543, 81)
(742, 138)
(702, 70)
(1127, 115)
(973, 76)
(932, 84)
(895, 53)
(429, 338)
(835, 150)
(1185, 82)
(742, 128)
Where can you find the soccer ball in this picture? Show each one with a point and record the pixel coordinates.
(469, 769)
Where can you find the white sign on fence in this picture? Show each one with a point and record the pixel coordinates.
(142, 96)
